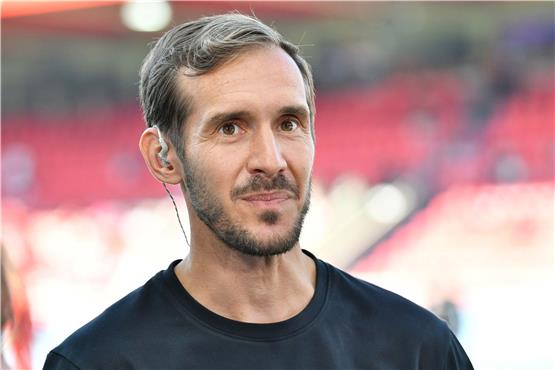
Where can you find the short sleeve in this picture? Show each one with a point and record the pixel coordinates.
(55, 361)
(456, 356)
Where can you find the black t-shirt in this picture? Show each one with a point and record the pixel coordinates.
(348, 324)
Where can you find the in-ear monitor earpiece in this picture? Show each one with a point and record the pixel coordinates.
(163, 155)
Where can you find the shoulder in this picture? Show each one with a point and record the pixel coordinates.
(398, 326)
(410, 329)
(383, 307)
(113, 330)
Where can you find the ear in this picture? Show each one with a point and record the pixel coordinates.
(150, 148)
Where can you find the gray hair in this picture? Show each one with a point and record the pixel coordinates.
(198, 47)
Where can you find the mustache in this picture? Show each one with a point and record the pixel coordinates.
(260, 183)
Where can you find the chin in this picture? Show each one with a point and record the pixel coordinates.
(265, 241)
(270, 232)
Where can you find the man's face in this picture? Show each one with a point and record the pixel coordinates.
(249, 151)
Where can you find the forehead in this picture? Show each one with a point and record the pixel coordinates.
(261, 80)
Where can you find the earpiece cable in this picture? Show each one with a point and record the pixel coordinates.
(177, 213)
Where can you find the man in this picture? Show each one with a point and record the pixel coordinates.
(230, 110)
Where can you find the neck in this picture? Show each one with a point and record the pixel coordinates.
(247, 288)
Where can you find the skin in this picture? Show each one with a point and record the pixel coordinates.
(249, 119)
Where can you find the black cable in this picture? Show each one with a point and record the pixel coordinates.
(177, 213)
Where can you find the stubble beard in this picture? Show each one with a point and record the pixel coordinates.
(232, 234)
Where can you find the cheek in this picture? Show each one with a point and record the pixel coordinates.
(305, 153)
(301, 162)
(220, 173)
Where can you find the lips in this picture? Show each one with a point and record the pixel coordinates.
(263, 199)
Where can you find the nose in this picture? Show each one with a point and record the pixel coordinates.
(265, 155)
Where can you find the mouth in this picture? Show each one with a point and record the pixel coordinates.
(266, 199)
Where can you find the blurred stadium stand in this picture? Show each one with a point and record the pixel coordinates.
(391, 130)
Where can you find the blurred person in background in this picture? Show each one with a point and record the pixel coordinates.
(448, 311)
(16, 319)
(229, 106)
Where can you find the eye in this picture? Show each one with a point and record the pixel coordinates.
(289, 125)
(229, 129)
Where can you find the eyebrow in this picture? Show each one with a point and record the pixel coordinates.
(227, 116)
(295, 110)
